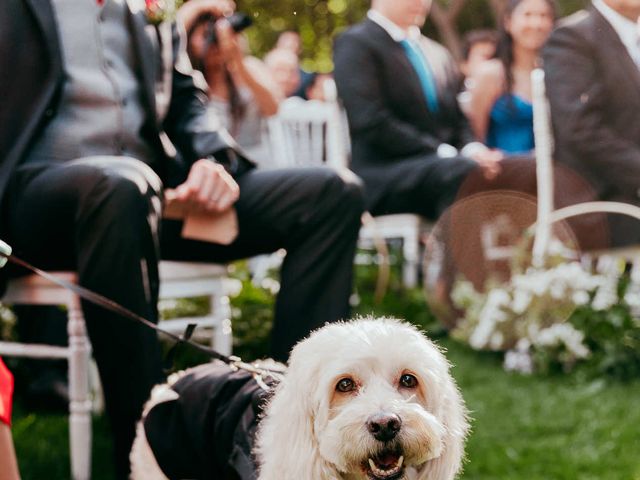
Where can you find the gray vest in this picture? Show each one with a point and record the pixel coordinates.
(100, 112)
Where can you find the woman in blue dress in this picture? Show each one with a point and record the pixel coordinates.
(501, 113)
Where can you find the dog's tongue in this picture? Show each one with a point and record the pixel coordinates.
(387, 460)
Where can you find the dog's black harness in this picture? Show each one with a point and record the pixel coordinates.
(208, 430)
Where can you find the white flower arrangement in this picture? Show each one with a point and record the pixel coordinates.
(529, 314)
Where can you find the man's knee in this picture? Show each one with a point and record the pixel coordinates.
(126, 190)
(461, 167)
(347, 190)
(126, 179)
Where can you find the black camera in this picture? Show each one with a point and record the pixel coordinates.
(238, 21)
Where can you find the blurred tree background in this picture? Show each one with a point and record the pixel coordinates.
(318, 21)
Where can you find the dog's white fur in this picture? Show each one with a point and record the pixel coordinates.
(143, 462)
(303, 436)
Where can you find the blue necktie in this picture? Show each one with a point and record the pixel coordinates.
(420, 65)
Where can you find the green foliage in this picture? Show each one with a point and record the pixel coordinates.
(555, 319)
(7, 322)
(252, 321)
(318, 21)
(42, 446)
(398, 302)
(614, 340)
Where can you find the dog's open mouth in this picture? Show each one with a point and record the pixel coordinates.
(386, 465)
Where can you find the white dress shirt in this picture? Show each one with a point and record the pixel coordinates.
(394, 31)
(626, 29)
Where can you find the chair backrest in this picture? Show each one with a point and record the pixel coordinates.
(544, 144)
(306, 133)
(544, 164)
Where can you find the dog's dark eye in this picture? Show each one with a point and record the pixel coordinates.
(408, 381)
(346, 385)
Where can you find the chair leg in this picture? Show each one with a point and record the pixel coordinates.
(95, 389)
(80, 403)
(410, 252)
(222, 339)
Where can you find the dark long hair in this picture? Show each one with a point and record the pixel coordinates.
(237, 108)
(504, 50)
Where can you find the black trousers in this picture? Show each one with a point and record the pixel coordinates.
(102, 217)
(424, 185)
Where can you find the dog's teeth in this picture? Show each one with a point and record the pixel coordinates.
(379, 472)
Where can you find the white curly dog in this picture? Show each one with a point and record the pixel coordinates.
(369, 399)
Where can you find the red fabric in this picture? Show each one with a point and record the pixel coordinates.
(6, 392)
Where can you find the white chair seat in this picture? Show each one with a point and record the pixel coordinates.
(36, 290)
(172, 270)
(393, 225)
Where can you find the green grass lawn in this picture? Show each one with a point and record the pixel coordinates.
(523, 427)
(546, 428)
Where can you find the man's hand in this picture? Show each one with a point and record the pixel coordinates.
(208, 188)
(489, 161)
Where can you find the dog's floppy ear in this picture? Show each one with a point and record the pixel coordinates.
(287, 446)
(454, 419)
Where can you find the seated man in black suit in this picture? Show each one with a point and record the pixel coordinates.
(96, 120)
(412, 144)
(591, 64)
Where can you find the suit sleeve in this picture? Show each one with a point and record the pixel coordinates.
(360, 88)
(464, 135)
(195, 133)
(578, 100)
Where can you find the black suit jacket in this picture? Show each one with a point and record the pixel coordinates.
(388, 114)
(594, 92)
(31, 80)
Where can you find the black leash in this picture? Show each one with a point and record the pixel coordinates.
(104, 302)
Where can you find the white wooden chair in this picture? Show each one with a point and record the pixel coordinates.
(190, 279)
(405, 226)
(33, 290)
(299, 133)
(177, 280)
(306, 133)
(547, 215)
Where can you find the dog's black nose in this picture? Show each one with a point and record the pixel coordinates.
(384, 426)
